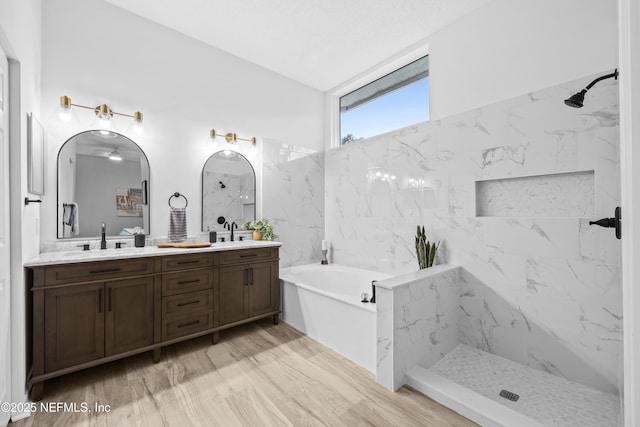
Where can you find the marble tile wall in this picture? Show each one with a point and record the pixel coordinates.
(293, 200)
(560, 274)
(417, 321)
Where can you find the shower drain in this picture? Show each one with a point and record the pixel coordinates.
(509, 395)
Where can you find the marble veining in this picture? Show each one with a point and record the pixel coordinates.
(417, 321)
(546, 290)
(293, 200)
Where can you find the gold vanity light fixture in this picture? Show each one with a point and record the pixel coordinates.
(230, 137)
(103, 112)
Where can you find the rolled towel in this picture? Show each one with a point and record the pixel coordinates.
(177, 224)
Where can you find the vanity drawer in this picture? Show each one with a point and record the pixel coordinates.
(184, 262)
(188, 281)
(178, 326)
(187, 303)
(97, 270)
(247, 255)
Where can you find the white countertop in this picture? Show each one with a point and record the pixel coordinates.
(68, 257)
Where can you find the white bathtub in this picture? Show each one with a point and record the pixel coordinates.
(323, 301)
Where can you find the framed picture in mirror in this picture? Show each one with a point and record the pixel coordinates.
(35, 153)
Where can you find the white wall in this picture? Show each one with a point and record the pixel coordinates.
(95, 52)
(510, 47)
(20, 38)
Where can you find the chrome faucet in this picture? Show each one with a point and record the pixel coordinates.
(103, 241)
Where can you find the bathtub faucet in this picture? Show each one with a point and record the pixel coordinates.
(373, 291)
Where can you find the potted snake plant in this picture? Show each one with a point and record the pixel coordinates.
(425, 250)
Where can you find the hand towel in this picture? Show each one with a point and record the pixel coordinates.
(177, 224)
(71, 218)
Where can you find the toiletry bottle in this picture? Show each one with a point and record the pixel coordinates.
(213, 236)
(138, 240)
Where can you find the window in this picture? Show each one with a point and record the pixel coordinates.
(399, 99)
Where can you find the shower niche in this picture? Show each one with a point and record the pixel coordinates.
(561, 195)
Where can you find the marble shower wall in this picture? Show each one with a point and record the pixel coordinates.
(558, 273)
(417, 321)
(293, 200)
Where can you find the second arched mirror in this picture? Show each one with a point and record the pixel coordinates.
(228, 190)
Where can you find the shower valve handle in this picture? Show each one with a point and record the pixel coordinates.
(611, 223)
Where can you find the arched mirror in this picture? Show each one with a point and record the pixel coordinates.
(103, 177)
(228, 190)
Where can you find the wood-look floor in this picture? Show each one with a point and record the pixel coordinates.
(259, 374)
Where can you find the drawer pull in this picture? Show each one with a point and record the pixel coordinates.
(248, 255)
(109, 270)
(184, 282)
(196, 261)
(181, 304)
(184, 325)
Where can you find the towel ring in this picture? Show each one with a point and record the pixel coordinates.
(176, 194)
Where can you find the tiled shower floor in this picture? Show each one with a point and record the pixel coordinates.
(549, 399)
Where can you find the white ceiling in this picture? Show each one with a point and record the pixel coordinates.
(320, 43)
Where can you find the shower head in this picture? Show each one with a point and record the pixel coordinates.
(577, 100)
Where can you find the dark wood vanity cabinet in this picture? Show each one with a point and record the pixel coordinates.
(74, 326)
(89, 313)
(128, 308)
(88, 322)
(187, 295)
(247, 290)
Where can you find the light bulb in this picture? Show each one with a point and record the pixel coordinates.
(104, 115)
(137, 122)
(65, 109)
(64, 114)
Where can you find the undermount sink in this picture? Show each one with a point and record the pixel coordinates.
(95, 253)
(78, 254)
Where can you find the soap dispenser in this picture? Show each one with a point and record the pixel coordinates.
(213, 235)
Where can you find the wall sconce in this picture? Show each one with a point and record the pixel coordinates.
(231, 138)
(104, 114)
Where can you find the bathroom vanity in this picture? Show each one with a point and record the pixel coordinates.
(94, 307)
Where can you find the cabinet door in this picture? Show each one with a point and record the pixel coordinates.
(263, 288)
(74, 325)
(233, 301)
(129, 315)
